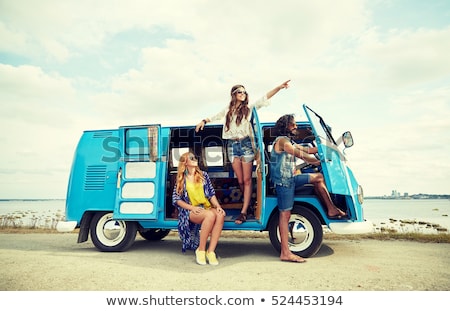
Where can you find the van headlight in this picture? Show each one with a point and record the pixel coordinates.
(360, 194)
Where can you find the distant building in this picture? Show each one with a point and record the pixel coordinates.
(395, 194)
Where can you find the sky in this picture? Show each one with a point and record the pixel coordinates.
(378, 68)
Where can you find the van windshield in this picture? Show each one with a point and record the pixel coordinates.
(320, 127)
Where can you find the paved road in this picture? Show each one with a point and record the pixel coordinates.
(57, 262)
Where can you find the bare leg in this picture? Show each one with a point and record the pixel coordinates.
(216, 231)
(239, 172)
(322, 192)
(243, 171)
(286, 254)
(247, 170)
(206, 219)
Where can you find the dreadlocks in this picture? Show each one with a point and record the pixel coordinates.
(281, 127)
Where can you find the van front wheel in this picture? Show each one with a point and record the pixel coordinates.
(305, 232)
(109, 235)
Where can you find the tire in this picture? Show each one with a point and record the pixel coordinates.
(306, 232)
(154, 234)
(109, 235)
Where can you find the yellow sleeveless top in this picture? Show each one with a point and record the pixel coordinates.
(197, 195)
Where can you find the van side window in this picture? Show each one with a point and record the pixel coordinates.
(136, 142)
(142, 143)
(176, 154)
(214, 156)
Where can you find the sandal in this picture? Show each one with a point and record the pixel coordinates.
(241, 219)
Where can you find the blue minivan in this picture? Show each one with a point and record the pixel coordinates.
(121, 183)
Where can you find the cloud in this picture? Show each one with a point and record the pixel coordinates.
(405, 58)
(70, 66)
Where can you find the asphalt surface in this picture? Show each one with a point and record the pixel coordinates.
(53, 262)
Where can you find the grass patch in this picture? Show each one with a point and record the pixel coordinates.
(25, 230)
(389, 236)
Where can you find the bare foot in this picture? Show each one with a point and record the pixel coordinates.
(293, 258)
(338, 213)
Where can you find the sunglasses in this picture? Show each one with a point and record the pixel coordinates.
(192, 158)
(240, 91)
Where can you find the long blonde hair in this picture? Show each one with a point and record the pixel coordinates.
(182, 172)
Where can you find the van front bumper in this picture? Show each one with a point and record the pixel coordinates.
(351, 227)
(66, 226)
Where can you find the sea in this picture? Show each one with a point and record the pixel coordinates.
(401, 215)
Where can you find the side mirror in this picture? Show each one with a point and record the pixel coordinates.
(347, 139)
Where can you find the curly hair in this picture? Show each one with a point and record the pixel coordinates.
(282, 124)
(242, 112)
(182, 172)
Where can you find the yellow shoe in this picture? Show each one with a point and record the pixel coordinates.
(211, 256)
(200, 257)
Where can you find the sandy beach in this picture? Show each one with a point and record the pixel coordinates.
(55, 262)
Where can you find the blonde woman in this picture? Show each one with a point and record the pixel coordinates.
(195, 198)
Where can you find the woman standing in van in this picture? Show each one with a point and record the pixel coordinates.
(195, 198)
(237, 130)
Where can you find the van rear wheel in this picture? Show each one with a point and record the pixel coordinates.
(110, 235)
(305, 232)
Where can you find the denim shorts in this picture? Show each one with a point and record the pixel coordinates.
(285, 194)
(241, 149)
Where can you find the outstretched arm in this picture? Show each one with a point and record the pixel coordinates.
(201, 124)
(284, 85)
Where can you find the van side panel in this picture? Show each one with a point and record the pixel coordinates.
(93, 177)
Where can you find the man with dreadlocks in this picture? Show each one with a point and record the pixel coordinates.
(285, 178)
